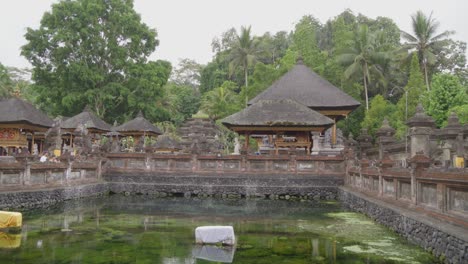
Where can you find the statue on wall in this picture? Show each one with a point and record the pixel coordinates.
(236, 146)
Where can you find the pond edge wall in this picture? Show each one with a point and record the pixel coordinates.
(444, 240)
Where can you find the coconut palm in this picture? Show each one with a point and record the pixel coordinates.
(244, 53)
(364, 58)
(425, 40)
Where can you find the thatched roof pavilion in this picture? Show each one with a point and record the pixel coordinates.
(290, 121)
(300, 101)
(138, 127)
(303, 85)
(87, 118)
(21, 114)
(270, 116)
(18, 118)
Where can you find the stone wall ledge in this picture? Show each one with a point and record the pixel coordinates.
(36, 198)
(47, 186)
(441, 234)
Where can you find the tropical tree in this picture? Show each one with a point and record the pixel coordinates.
(220, 102)
(182, 101)
(363, 59)
(90, 52)
(5, 82)
(446, 93)
(306, 44)
(379, 109)
(425, 41)
(244, 53)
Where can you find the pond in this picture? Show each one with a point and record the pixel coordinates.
(142, 229)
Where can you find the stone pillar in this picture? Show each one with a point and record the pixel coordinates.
(384, 137)
(419, 164)
(450, 139)
(350, 156)
(27, 174)
(421, 128)
(365, 142)
(441, 197)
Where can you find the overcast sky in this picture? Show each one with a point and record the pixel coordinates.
(186, 27)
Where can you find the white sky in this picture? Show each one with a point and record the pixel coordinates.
(187, 27)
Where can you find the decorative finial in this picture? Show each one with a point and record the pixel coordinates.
(140, 114)
(419, 109)
(385, 123)
(299, 60)
(87, 109)
(453, 120)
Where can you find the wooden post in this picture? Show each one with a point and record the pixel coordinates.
(32, 143)
(246, 143)
(334, 131)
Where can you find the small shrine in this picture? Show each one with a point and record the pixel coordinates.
(294, 111)
(138, 128)
(20, 122)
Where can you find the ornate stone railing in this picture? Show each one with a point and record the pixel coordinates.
(27, 174)
(291, 164)
(441, 190)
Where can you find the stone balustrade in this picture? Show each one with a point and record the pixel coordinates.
(435, 189)
(291, 164)
(27, 174)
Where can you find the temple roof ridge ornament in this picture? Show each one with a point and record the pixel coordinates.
(385, 129)
(420, 118)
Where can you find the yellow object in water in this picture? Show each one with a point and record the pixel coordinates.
(10, 219)
(10, 240)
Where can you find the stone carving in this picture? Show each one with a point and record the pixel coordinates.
(53, 137)
(237, 146)
(82, 141)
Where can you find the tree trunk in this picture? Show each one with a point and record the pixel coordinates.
(246, 83)
(365, 87)
(425, 76)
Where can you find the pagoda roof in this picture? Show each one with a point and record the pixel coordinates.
(15, 110)
(308, 88)
(88, 119)
(138, 125)
(277, 113)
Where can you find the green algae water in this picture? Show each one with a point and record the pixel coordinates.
(142, 229)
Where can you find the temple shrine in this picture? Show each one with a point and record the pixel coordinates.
(292, 108)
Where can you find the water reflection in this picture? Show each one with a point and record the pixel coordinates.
(214, 253)
(122, 229)
(10, 240)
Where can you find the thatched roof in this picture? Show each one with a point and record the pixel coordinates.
(15, 110)
(87, 118)
(167, 142)
(277, 113)
(139, 124)
(308, 88)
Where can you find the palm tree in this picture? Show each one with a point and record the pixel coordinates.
(425, 40)
(218, 103)
(244, 53)
(364, 59)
